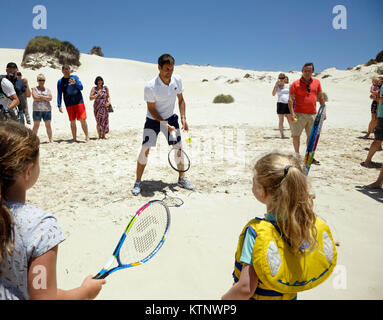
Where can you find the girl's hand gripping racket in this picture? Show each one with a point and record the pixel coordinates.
(142, 238)
(177, 157)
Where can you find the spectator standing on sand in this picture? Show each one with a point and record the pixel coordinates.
(282, 89)
(306, 91)
(42, 109)
(101, 97)
(70, 87)
(24, 93)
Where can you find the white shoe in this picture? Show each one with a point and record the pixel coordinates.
(137, 188)
(185, 183)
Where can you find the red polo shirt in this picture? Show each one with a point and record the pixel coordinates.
(305, 101)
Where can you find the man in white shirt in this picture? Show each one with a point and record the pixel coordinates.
(160, 95)
(8, 97)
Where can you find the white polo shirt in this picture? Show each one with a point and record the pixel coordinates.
(8, 90)
(164, 96)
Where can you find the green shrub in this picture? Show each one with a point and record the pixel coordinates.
(97, 51)
(379, 57)
(64, 51)
(223, 99)
(370, 62)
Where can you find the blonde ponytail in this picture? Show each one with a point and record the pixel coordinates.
(282, 177)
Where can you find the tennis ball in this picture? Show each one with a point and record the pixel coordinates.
(295, 119)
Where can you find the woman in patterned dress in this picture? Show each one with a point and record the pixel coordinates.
(101, 97)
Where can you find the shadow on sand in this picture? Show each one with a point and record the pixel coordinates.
(376, 194)
(150, 187)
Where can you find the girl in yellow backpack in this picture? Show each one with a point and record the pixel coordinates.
(291, 249)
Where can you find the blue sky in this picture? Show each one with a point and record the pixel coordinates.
(251, 34)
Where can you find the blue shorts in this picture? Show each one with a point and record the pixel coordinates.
(378, 132)
(45, 115)
(152, 128)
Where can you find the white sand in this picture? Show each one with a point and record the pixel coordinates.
(87, 186)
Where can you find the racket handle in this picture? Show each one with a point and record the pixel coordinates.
(100, 276)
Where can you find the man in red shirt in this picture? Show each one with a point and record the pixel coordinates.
(305, 91)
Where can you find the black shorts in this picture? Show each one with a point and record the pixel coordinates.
(283, 108)
(374, 107)
(152, 128)
(378, 132)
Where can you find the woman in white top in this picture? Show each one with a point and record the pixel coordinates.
(42, 109)
(282, 89)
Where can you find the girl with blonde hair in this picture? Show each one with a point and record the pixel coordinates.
(291, 249)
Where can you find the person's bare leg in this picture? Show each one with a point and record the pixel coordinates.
(280, 116)
(141, 162)
(375, 146)
(98, 131)
(296, 142)
(48, 127)
(180, 161)
(378, 183)
(84, 126)
(36, 126)
(73, 128)
(289, 120)
(371, 125)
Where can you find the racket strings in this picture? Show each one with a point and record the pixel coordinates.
(145, 234)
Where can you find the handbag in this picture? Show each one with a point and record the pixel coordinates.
(110, 108)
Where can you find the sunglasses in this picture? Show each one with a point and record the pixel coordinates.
(281, 78)
(41, 80)
(308, 88)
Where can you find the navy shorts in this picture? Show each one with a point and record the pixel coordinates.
(152, 128)
(378, 132)
(44, 115)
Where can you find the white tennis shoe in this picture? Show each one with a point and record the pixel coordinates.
(185, 183)
(137, 188)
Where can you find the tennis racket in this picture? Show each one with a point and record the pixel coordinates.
(172, 201)
(314, 138)
(142, 238)
(177, 157)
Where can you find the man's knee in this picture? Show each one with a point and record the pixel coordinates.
(143, 156)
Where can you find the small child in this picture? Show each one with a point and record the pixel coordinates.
(375, 89)
(291, 249)
(29, 236)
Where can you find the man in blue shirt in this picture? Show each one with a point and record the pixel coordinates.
(70, 87)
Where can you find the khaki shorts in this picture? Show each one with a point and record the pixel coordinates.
(305, 121)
